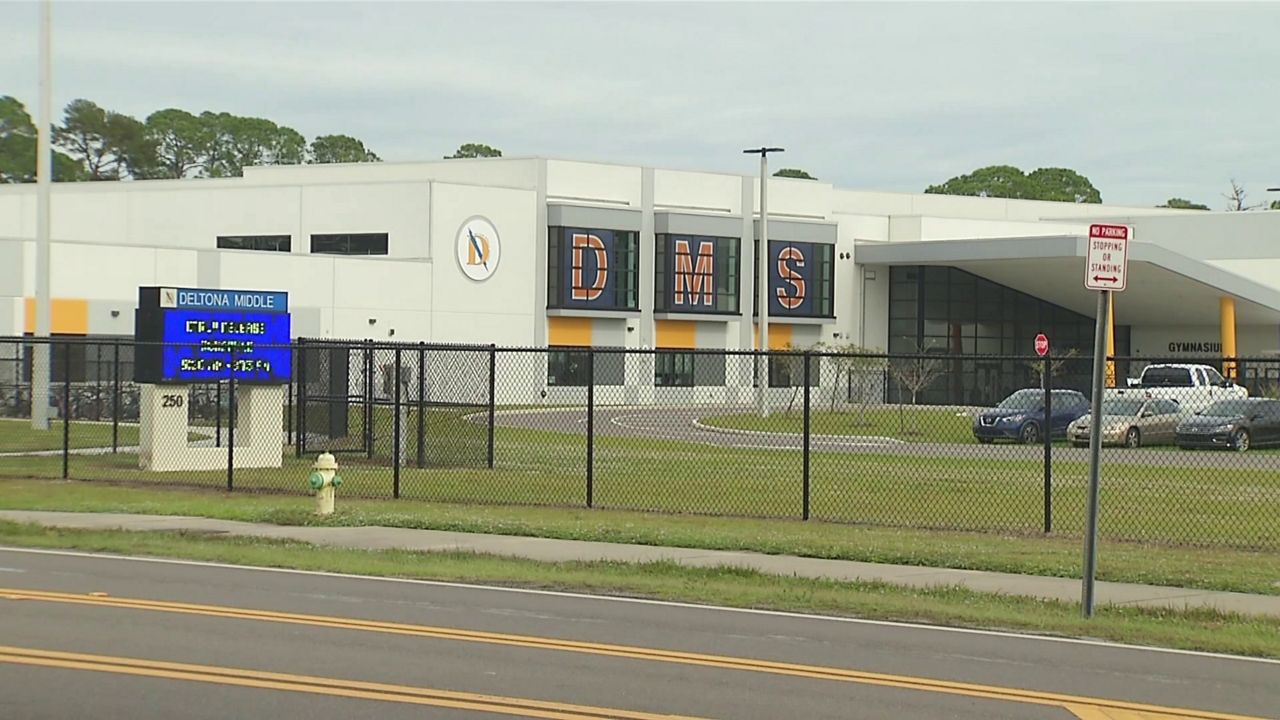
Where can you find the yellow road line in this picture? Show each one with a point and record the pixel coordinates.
(321, 686)
(1086, 712)
(632, 652)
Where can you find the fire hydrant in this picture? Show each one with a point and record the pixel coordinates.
(324, 478)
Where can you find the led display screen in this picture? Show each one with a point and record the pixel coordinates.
(192, 336)
(200, 345)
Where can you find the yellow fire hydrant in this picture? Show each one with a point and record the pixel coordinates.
(324, 478)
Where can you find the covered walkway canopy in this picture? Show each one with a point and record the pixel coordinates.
(1164, 287)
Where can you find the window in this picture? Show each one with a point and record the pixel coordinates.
(788, 371)
(592, 269)
(269, 243)
(350, 244)
(696, 273)
(1214, 376)
(1166, 377)
(801, 279)
(946, 310)
(568, 367)
(673, 369)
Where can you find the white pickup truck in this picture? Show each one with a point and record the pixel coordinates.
(1193, 387)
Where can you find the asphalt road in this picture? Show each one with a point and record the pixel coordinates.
(681, 423)
(107, 638)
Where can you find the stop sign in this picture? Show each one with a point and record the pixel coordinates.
(1042, 344)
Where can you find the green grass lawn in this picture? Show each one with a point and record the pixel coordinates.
(908, 423)
(1192, 630)
(1054, 555)
(985, 492)
(17, 436)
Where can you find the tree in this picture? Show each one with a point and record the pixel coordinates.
(1056, 363)
(1063, 185)
(915, 373)
(18, 148)
(102, 140)
(474, 150)
(1180, 204)
(180, 141)
(862, 368)
(1237, 199)
(1007, 181)
(238, 142)
(340, 149)
(794, 173)
(1275, 205)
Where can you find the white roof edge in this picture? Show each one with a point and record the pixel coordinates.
(925, 252)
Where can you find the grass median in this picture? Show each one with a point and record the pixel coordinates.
(1192, 630)
(1202, 568)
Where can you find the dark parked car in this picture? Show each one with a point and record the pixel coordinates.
(1237, 424)
(1020, 416)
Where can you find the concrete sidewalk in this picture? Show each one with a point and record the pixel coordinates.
(544, 549)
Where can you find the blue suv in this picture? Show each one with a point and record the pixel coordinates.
(1020, 416)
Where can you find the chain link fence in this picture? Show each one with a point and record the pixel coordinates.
(1191, 450)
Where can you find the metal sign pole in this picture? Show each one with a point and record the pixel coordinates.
(1095, 447)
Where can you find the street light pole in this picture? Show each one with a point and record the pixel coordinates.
(762, 282)
(41, 352)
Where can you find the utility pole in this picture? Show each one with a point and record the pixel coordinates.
(41, 352)
(762, 282)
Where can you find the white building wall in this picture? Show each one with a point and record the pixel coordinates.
(907, 228)
(977, 208)
(593, 182)
(519, 172)
(790, 198)
(697, 192)
(399, 209)
(112, 239)
(504, 308)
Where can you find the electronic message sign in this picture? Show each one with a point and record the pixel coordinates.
(195, 335)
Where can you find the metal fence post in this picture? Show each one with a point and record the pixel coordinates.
(288, 412)
(300, 445)
(591, 425)
(115, 397)
(368, 398)
(217, 414)
(231, 420)
(805, 503)
(396, 444)
(493, 384)
(1047, 382)
(422, 405)
(66, 409)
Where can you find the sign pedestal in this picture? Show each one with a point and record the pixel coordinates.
(164, 425)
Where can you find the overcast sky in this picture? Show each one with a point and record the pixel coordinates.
(1149, 100)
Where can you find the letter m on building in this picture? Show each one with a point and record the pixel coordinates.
(694, 279)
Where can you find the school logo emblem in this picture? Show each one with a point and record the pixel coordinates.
(479, 249)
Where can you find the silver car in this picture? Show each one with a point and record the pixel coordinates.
(1130, 422)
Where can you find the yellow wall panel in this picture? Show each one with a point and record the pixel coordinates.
(575, 331)
(70, 316)
(676, 334)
